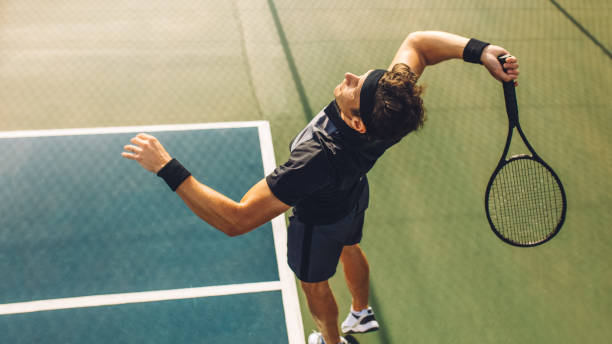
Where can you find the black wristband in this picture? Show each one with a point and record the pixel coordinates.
(473, 50)
(173, 174)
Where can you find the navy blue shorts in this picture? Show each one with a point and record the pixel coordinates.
(313, 251)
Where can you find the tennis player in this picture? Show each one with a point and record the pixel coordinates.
(325, 180)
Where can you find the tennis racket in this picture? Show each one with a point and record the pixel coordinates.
(525, 201)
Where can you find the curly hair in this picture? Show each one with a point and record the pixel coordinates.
(398, 108)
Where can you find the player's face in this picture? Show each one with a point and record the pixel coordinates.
(347, 93)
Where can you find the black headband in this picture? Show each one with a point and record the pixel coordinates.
(366, 96)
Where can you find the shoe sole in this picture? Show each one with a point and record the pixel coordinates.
(366, 331)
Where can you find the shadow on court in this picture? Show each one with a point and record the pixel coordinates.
(352, 340)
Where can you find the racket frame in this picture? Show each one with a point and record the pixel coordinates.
(513, 123)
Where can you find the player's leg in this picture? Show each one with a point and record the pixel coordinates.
(357, 275)
(354, 262)
(323, 308)
(313, 252)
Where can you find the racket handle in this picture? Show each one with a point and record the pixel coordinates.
(509, 94)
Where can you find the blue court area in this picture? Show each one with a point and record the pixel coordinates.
(79, 221)
(244, 318)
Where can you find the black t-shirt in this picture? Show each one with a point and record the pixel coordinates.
(326, 171)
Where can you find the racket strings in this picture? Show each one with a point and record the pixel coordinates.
(525, 202)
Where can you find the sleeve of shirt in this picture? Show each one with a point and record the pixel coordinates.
(306, 171)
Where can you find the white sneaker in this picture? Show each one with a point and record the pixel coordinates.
(317, 338)
(361, 322)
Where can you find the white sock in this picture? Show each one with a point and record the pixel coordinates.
(361, 312)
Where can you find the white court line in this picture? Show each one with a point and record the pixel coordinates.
(287, 285)
(291, 304)
(134, 129)
(139, 297)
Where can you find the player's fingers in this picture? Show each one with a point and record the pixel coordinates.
(509, 77)
(511, 62)
(511, 59)
(510, 66)
(138, 141)
(131, 148)
(145, 136)
(513, 72)
(129, 156)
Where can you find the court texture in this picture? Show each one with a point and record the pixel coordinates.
(94, 249)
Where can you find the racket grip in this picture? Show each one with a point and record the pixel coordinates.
(509, 93)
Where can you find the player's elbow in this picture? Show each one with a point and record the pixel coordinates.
(235, 231)
(238, 229)
(241, 223)
(416, 42)
(232, 232)
(415, 39)
(414, 36)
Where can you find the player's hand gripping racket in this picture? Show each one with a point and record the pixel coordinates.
(525, 201)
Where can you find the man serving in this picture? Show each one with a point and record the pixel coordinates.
(324, 179)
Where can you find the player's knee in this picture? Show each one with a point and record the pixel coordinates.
(315, 288)
(351, 250)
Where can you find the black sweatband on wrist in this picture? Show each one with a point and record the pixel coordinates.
(173, 173)
(473, 50)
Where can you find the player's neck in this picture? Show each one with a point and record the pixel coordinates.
(353, 122)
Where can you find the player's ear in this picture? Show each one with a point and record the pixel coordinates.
(358, 124)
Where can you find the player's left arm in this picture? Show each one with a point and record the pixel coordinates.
(258, 206)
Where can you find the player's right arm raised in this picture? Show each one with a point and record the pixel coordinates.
(425, 48)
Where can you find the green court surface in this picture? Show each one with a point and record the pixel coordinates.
(439, 275)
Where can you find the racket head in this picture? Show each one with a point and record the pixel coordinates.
(525, 201)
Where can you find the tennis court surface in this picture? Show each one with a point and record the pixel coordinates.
(438, 273)
(97, 250)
